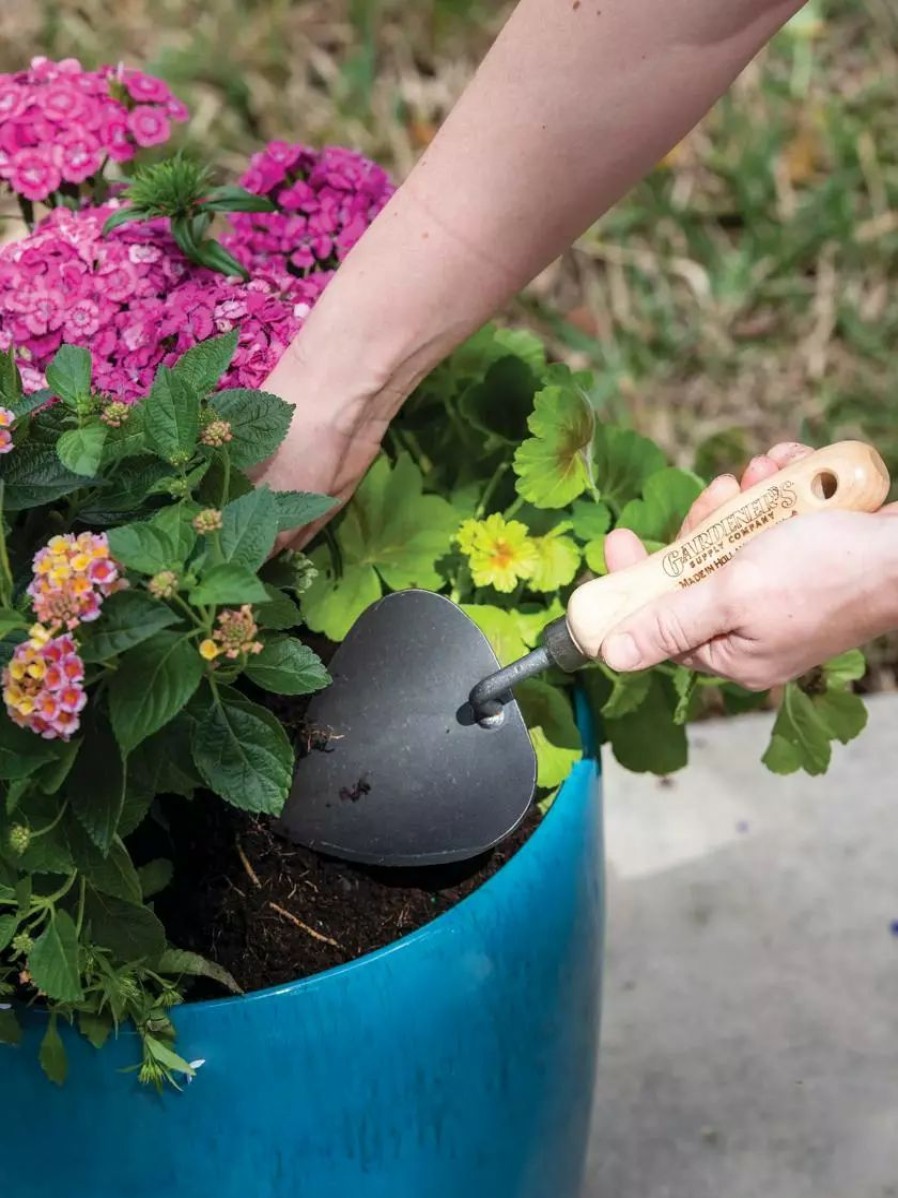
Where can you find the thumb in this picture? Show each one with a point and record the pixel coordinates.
(668, 627)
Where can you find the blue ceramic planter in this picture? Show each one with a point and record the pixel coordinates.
(456, 1063)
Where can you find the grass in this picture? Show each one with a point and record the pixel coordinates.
(746, 292)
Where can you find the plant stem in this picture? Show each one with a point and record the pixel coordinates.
(498, 474)
(82, 894)
(53, 823)
(226, 477)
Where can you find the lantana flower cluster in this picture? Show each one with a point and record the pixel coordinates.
(72, 577)
(6, 422)
(234, 637)
(59, 123)
(325, 200)
(43, 685)
(136, 302)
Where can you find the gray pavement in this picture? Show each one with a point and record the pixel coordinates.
(750, 1037)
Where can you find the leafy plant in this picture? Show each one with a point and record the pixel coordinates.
(127, 637)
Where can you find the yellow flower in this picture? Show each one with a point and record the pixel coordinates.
(209, 649)
(500, 552)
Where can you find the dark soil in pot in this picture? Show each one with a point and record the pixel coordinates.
(271, 912)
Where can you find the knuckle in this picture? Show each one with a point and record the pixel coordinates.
(670, 633)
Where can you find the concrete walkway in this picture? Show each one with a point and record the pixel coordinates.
(750, 1042)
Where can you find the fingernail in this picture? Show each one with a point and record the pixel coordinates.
(621, 652)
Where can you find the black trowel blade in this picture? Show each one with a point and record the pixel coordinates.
(408, 778)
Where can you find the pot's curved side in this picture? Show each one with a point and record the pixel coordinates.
(457, 1063)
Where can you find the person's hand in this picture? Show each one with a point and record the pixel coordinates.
(801, 593)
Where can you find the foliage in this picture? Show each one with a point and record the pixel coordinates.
(148, 623)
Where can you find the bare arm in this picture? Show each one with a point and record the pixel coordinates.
(574, 104)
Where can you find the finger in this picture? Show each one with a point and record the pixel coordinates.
(670, 627)
(787, 452)
(765, 465)
(622, 549)
(724, 488)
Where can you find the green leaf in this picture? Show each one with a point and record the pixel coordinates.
(8, 925)
(125, 494)
(500, 405)
(214, 256)
(179, 963)
(298, 508)
(666, 499)
(243, 755)
(686, 685)
(155, 876)
(249, 528)
(501, 628)
(843, 713)
(559, 560)
(594, 552)
(231, 198)
(175, 522)
(11, 619)
(623, 463)
(95, 1028)
(800, 738)
(122, 217)
(646, 740)
(203, 365)
(628, 693)
(34, 477)
(848, 667)
(52, 1054)
(53, 960)
(10, 1029)
(228, 583)
(152, 684)
(111, 873)
(129, 931)
(280, 612)
(10, 381)
(128, 618)
(258, 421)
(163, 764)
(96, 787)
(68, 375)
(553, 465)
(81, 449)
(524, 345)
(590, 519)
(171, 415)
(550, 719)
(142, 547)
(287, 667)
(21, 751)
(392, 533)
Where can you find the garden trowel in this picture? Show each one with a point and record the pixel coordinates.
(425, 757)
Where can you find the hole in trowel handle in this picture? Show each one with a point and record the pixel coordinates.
(825, 484)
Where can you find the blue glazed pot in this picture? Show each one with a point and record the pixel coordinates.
(456, 1063)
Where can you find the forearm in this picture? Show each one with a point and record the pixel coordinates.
(572, 106)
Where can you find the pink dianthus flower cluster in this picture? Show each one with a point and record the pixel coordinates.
(59, 122)
(136, 302)
(325, 200)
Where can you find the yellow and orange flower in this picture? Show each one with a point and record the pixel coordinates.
(72, 577)
(501, 553)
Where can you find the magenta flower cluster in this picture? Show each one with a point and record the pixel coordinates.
(325, 200)
(59, 123)
(136, 302)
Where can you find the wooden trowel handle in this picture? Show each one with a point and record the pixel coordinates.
(849, 476)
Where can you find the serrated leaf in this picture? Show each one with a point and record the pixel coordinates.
(171, 415)
(8, 925)
(501, 628)
(68, 375)
(153, 683)
(258, 420)
(298, 508)
(81, 449)
(178, 962)
(33, 476)
(10, 380)
(249, 529)
(553, 466)
(590, 519)
(666, 499)
(53, 960)
(549, 717)
(646, 740)
(280, 612)
(162, 764)
(142, 547)
(685, 684)
(848, 667)
(559, 560)
(110, 873)
(95, 1028)
(228, 583)
(287, 667)
(391, 533)
(21, 751)
(243, 755)
(175, 522)
(204, 364)
(800, 738)
(127, 619)
(96, 787)
(500, 404)
(52, 1054)
(628, 693)
(843, 713)
(623, 463)
(130, 931)
(155, 876)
